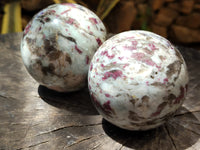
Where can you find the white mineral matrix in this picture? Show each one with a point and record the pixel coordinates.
(137, 80)
(59, 43)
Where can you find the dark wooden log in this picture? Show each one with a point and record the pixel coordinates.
(34, 117)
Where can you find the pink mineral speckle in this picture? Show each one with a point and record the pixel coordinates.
(87, 60)
(39, 28)
(113, 47)
(126, 47)
(150, 62)
(114, 74)
(120, 58)
(143, 58)
(99, 41)
(130, 37)
(165, 80)
(125, 65)
(107, 108)
(138, 56)
(89, 86)
(159, 67)
(93, 20)
(51, 11)
(78, 50)
(134, 43)
(102, 65)
(107, 95)
(159, 109)
(109, 56)
(70, 21)
(152, 46)
(43, 36)
(91, 67)
(66, 11)
(131, 47)
(26, 30)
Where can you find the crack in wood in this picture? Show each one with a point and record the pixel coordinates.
(79, 141)
(96, 146)
(124, 142)
(187, 128)
(27, 129)
(31, 146)
(7, 97)
(193, 87)
(83, 140)
(195, 123)
(185, 113)
(170, 137)
(71, 126)
(4, 96)
(38, 144)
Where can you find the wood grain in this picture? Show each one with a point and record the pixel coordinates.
(34, 117)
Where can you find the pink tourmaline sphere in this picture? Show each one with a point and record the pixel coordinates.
(137, 80)
(59, 43)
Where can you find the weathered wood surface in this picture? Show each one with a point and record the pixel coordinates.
(33, 117)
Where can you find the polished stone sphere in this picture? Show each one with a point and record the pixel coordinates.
(137, 80)
(59, 43)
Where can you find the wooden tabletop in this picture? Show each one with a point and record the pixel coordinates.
(33, 117)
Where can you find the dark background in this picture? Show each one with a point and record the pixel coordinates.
(176, 20)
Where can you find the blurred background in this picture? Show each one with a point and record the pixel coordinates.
(177, 20)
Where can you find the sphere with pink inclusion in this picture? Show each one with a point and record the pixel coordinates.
(137, 80)
(59, 43)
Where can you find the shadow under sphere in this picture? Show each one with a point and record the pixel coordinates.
(177, 134)
(78, 101)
